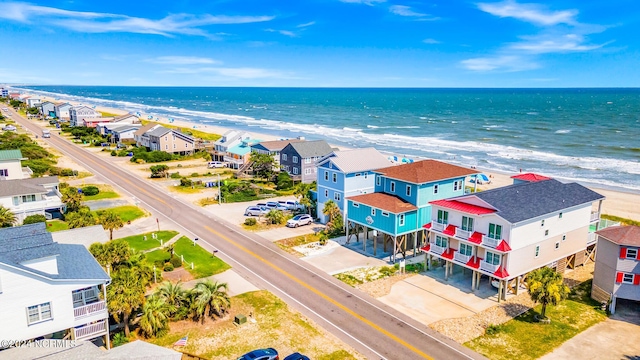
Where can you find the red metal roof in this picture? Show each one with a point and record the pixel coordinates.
(384, 202)
(501, 273)
(450, 230)
(474, 262)
(427, 226)
(464, 207)
(530, 177)
(426, 248)
(476, 238)
(448, 253)
(503, 246)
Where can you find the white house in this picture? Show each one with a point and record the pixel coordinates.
(228, 140)
(507, 232)
(48, 289)
(347, 173)
(126, 119)
(79, 113)
(33, 101)
(62, 111)
(47, 108)
(32, 196)
(10, 166)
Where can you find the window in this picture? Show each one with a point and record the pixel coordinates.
(466, 249)
(39, 313)
(401, 220)
(373, 212)
(386, 214)
(542, 223)
(174, 146)
(4, 172)
(28, 198)
(467, 223)
(492, 258)
(560, 216)
(356, 205)
(307, 161)
(326, 193)
(632, 253)
(435, 188)
(336, 196)
(408, 190)
(392, 186)
(442, 241)
(307, 171)
(166, 147)
(358, 174)
(546, 233)
(564, 237)
(495, 231)
(284, 157)
(326, 176)
(443, 217)
(295, 159)
(557, 245)
(627, 278)
(295, 170)
(537, 250)
(457, 185)
(378, 180)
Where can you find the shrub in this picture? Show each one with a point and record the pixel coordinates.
(179, 165)
(284, 181)
(195, 175)
(185, 182)
(32, 219)
(176, 175)
(250, 221)
(119, 339)
(159, 171)
(176, 261)
(168, 267)
(62, 186)
(123, 152)
(492, 329)
(113, 153)
(90, 190)
(387, 271)
(66, 172)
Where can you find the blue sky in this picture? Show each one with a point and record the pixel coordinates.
(324, 43)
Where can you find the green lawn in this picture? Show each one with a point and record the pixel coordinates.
(138, 243)
(205, 264)
(158, 256)
(523, 338)
(56, 225)
(128, 212)
(106, 192)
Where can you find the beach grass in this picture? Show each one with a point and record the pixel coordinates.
(108, 114)
(128, 212)
(138, 243)
(288, 244)
(524, 338)
(205, 263)
(195, 133)
(621, 220)
(56, 225)
(221, 339)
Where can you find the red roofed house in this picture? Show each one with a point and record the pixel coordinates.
(504, 233)
(93, 122)
(617, 272)
(528, 177)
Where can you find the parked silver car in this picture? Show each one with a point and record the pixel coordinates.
(299, 220)
(256, 211)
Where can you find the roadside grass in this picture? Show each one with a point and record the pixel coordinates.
(261, 224)
(56, 225)
(128, 212)
(524, 338)
(365, 275)
(106, 192)
(81, 175)
(207, 201)
(288, 244)
(204, 263)
(276, 325)
(188, 189)
(138, 243)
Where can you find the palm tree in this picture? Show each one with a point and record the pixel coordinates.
(174, 295)
(155, 316)
(81, 218)
(144, 269)
(275, 216)
(72, 198)
(110, 221)
(7, 218)
(545, 286)
(124, 295)
(301, 191)
(209, 299)
(332, 212)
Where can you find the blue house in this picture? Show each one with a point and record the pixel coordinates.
(347, 173)
(399, 206)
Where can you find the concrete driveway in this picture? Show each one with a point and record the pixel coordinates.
(615, 338)
(105, 204)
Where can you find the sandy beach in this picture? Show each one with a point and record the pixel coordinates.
(618, 203)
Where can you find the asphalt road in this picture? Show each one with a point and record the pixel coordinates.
(372, 328)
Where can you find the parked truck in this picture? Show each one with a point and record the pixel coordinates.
(46, 133)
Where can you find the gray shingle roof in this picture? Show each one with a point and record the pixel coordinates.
(29, 242)
(350, 161)
(136, 350)
(159, 131)
(26, 186)
(307, 149)
(516, 203)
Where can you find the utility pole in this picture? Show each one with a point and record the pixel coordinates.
(219, 191)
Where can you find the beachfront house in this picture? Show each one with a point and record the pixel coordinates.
(401, 203)
(119, 133)
(504, 233)
(126, 119)
(4, 92)
(347, 173)
(33, 101)
(300, 159)
(228, 140)
(11, 166)
(160, 138)
(47, 109)
(238, 156)
(273, 148)
(62, 111)
(79, 113)
(616, 278)
(49, 289)
(94, 122)
(32, 196)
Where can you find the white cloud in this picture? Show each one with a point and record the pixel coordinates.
(507, 63)
(92, 22)
(403, 10)
(182, 60)
(533, 13)
(431, 41)
(555, 44)
(310, 23)
(366, 2)
(232, 72)
(282, 32)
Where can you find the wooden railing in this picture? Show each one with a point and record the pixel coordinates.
(89, 309)
(90, 330)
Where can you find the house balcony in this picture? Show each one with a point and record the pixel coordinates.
(438, 226)
(490, 268)
(51, 202)
(90, 331)
(462, 234)
(437, 249)
(490, 242)
(96, 308)
(462, 258)
(592, 238)
(595, 216)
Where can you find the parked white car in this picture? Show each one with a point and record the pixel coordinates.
(276, 205)
(292, 205)
(9, 128)
(215, 164)
(299, 220)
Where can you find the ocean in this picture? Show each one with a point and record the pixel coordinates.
(586, 135)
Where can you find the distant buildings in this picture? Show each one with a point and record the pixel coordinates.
(47, 108)
(299, 159)
(273, 148)
(4, 92)
(617, 272)
(48, 289)
(62, 111)
(32, 101)
(228, 140)
(159, 138)
(79, 113)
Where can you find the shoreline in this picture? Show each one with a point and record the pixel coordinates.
(619, 201)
